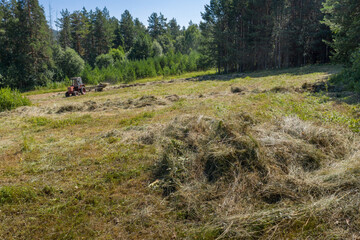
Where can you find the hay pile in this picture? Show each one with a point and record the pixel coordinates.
(256, 181)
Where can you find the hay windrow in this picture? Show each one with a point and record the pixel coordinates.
(234, 163)
(89, 106)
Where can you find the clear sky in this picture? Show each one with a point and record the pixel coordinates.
(182, 10)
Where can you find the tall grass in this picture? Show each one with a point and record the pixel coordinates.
(11, 99)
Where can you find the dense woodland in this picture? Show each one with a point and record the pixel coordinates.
(251, 35)
(235, 35)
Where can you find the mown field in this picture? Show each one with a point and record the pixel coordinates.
(265, 155)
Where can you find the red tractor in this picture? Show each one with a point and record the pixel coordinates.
(76, 88)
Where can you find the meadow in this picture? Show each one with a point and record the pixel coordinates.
(263, 155)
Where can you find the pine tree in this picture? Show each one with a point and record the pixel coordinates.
(343, 18)
(64, 23)
(118, 38)
(143, 48)
(79, 31)
(174, 29)
(157, 25)
(26, 51)
(127, 30)
(258, 34)
(192, 38)
(102, 31)
(139, 28)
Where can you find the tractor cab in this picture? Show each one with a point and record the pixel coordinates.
(77, 82)
(76, 88)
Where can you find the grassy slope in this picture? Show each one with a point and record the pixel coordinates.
(86, 174)
(44, 90)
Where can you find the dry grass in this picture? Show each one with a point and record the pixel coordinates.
(184, 160)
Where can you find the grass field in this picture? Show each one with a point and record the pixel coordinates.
(254, 156)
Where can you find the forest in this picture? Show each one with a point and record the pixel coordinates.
(234, 36)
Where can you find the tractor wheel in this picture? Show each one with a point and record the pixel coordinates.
(67, 94)
(74, 94)
(82, 91)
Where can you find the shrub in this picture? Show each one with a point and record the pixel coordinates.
(143, 48)
(86, 75)
(104, 61)
(118, 54)
(11, 99)
(71, 64)
(157, 49)
(129, 70)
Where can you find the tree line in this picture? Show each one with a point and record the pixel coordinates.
(343, 18)
(244, 35)
(235, 35)
(31, 55)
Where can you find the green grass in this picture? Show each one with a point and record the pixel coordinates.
(134, 121)
(63, 86)
(11, 99)
(16, 195)
(45, 90)
(90, 175)
(59, 123)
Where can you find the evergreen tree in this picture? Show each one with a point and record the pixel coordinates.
(157, 25)
(64, 23)
(25, 49)
(143, 48)
(174, 29)
(139, 28)
(79, 32)
(244, 35)
(118, 38)
(102, 32)
(192, 38)
(127, 30)
(343, 18)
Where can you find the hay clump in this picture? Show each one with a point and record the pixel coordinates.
(235, 89)
(253, 180)
(198, 148)
(172, 98)
(334, 143)
(70, 108)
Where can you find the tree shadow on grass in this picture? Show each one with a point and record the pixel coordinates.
(348, 97)
(336, 92)
(296, 71)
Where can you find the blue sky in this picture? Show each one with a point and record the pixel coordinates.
(182, 10)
